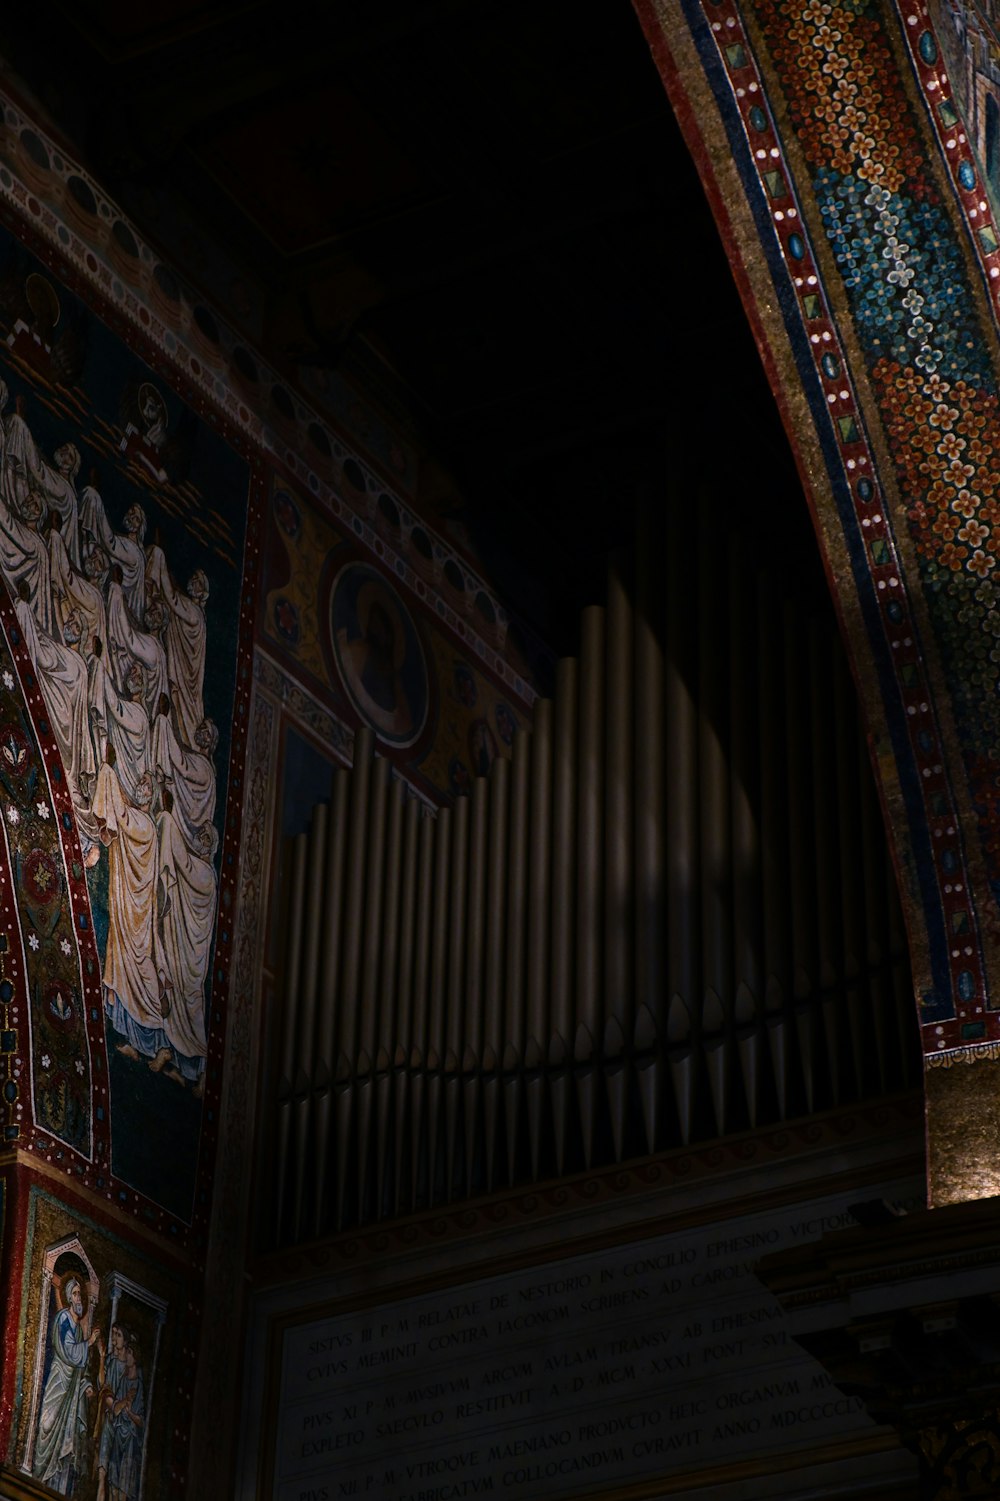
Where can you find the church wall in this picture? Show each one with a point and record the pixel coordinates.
(125, 1185)
(294, 681)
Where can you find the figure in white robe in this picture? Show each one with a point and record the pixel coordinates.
(128, 644)
(132, 991)
(64, 681)
(24, 557)
(80, 594)
(184, 638)
(124, 548)
(22, 461)
(121, 722)
(57, 488)
(25, 470)
(189, 891)
(188, 775)
(61, 1448)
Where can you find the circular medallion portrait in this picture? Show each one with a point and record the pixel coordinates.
(378, 654)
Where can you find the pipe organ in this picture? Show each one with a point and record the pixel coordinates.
(668, 916)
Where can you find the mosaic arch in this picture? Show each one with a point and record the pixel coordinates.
(851, 151)
(122, 529)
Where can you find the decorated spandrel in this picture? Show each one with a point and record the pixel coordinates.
(122, 524)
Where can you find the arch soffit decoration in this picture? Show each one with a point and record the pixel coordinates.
(838, 141)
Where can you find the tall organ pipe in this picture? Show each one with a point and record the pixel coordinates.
(539, 857)
(472, 1056)
(876, 924)
(298, 854)
(649, 822)
(564, 856)
(682, 842)
(476, 926)
(617, 715)
(364, 745)
(848, 838)
(745, 837)
(305, 1022)
(774, 834)
(405, 1027)
(716, 849)
(826, 852)
(517, 897)
(420, 1049)
(438, 989)
(496, 912)
(539, 879)
(326, 1029)
(801, 869)
(650, 756)
(387, 1024)
(457, 990)
(373, 951)
(590, 798)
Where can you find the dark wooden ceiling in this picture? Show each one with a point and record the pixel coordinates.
(484, 209)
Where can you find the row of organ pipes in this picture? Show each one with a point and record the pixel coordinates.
(668, 916)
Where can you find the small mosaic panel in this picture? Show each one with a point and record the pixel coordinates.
(99, 1410)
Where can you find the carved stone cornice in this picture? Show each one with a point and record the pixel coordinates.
(885, 1121)
(905, 1315)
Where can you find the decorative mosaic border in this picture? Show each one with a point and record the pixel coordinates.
(62, 202)
(56, 827)
(856, 168)
(876, 562)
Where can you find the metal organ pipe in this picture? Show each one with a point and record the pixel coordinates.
(618, 872)
(296, 853)
(564, 857)
(302, 1091)
(714, 831)
(649, 823)
(681, 1002)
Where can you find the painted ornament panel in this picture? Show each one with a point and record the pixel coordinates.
(375, 651)
(96, 1399)
(122, 527)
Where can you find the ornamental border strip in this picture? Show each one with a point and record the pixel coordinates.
(831, 366)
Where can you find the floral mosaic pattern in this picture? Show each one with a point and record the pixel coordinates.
(52, 897)
(842, 92)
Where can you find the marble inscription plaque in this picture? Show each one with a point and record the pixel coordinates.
(566, 1379)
